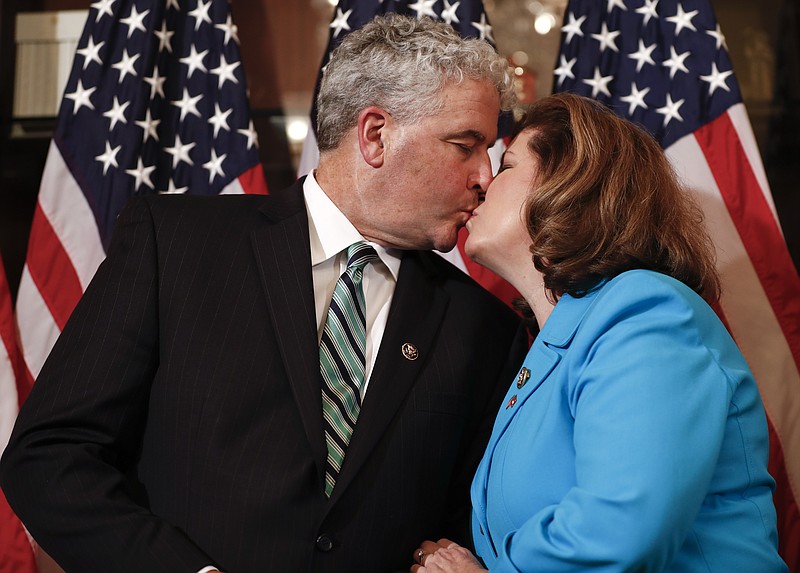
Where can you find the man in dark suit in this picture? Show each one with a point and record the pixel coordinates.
(178, 424)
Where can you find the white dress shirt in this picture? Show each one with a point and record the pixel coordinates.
(330, 233)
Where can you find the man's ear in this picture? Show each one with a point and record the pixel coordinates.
(372, 122)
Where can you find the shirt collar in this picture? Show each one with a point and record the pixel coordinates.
(330, 232)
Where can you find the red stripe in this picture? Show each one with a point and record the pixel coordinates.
(253, 181)
(51, 269)
(7, 331)
(8, 334)
(755, 224)
(24, 380)
(770, 258)
(16, 552)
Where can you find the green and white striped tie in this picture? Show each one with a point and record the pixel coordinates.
(342, 353)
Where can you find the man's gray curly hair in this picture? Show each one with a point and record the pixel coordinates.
(401, 64)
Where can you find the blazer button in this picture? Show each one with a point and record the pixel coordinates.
(324, 543)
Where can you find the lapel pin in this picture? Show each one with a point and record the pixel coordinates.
(523, 377)
(410, 351)
(511, 402)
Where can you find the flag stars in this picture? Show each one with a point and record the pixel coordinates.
(117, 113)
(683, 20)
(648, 10)
(716, 79)
(231, 30)
(564, 69)
(195, 61)
(599, 83)
(718, 36)
(188, 104)
(172, 190)
(339, 23)
(156, 82)
(173, 4)
(141, 174)
(180, 152)
(134, 21)
(109, 157)
(607, 38)
(220, 119)
(670, 110)
(164, 38)
(449, 12)
(81, 97)
(573, 27)
(423, 8)
(214, 165)
(91, 52)
(103, 8)
(484, 29)
(200, 14)
(643, 55)
(149, 125)
(616, 3)
(125, 65)
(251, 135)
(635, 98)
(675, 62)
(225, 71)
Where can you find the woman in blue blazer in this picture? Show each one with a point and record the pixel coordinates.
(634, 438)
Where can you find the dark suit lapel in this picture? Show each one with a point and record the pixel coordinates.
(418, 308)
(284, 260)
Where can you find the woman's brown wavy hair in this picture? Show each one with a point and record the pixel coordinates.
(606, 200)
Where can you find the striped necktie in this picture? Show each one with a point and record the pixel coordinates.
(342, 353)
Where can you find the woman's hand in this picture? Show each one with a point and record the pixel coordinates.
(444, 556)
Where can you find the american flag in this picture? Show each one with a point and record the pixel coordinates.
(156, 102)
(469, 19)
(16, 553)
(665, 65)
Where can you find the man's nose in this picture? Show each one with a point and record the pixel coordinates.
(482, 176)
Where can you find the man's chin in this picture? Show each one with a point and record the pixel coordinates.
(448, 242)
(444, 249)
(446, 246)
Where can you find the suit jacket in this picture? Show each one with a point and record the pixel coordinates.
(639, 443)
(178, 421)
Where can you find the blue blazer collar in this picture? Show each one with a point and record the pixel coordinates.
(560, 328)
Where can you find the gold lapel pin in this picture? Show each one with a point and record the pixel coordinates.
(523, 377)
(410, 351)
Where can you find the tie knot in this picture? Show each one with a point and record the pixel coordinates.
(359, 255)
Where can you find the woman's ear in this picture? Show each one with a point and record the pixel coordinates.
(372, 123)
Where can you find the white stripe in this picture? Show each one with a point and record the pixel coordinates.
(65, 206)
(309, 157)
(8, 397)
(233, 188)
(38, 330)
(496, 155)
(746, 306)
